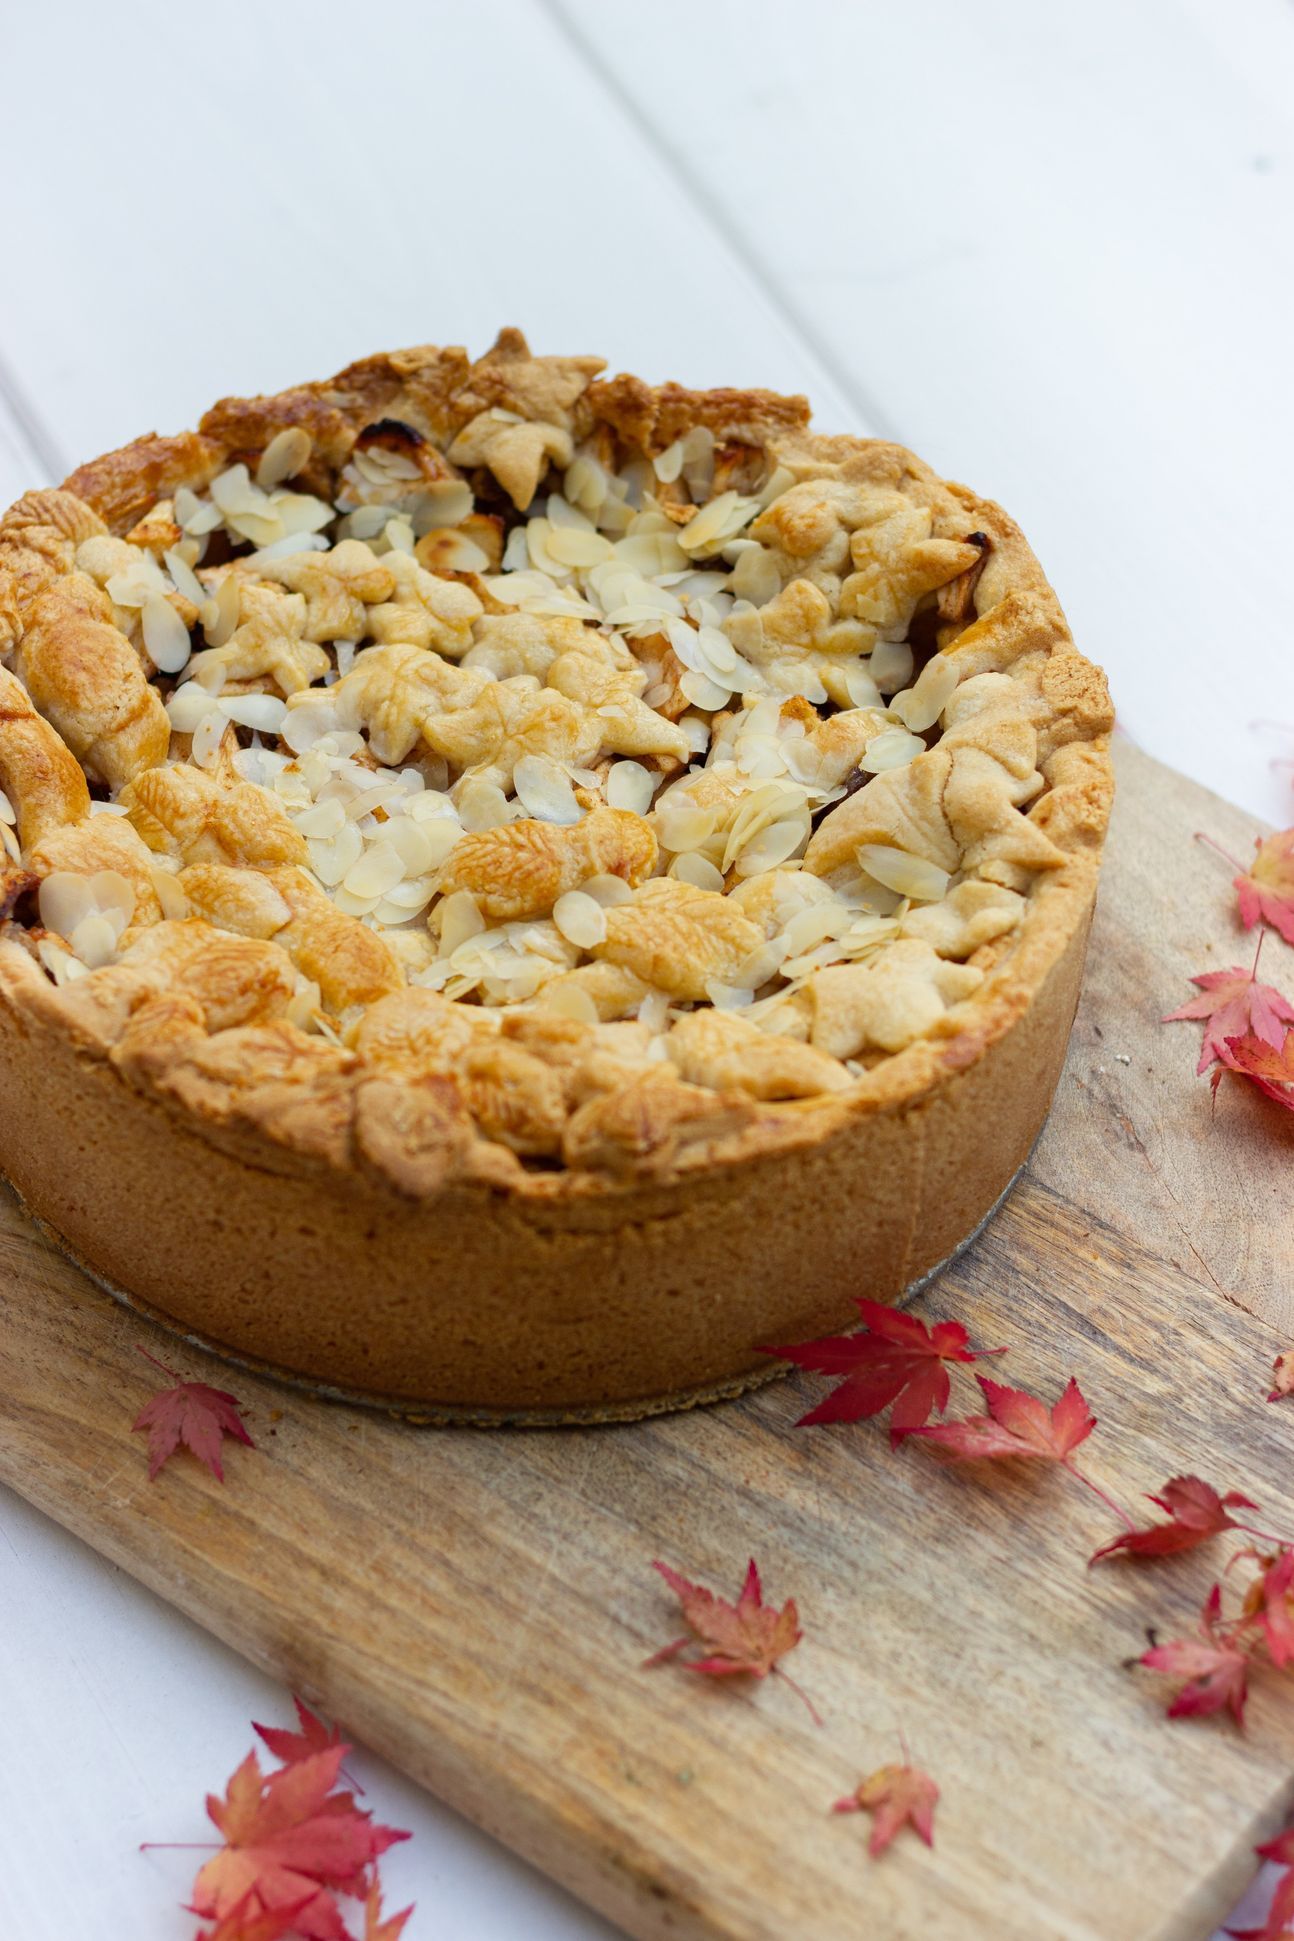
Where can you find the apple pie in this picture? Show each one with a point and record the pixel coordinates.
(519, 887)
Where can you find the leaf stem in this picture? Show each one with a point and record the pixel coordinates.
(1214, 844)
(800, 1693)
(1099, 1493)
(1264, 1536)
(164, 1366)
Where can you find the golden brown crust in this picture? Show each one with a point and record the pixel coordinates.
(436, 391)
(561, 1109)
(351, 965)
(123, 485)
(650, 417)
(38, 771)
(182, 813)
(693, 938)
(101, 842)
(86, 679)
(522, 868)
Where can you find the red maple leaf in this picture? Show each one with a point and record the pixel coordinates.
(1235, 1005)
(251, 1921)
(289, 1837)
(1266, 889)
(747, 1638)
(1269, 1603)
(1195, 1511)
(375, 1928)
(1017, 1425)
(192, 1414)
(314, 1736)
(896, 1358)
(1272, 1071)
(893, 1796)
(1282, 1376)
(1214, 1667)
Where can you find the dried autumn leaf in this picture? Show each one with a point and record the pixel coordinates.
(192, 1414)
(375, 1928)
(1235, 1005)
(748, 1637)
(289, 1836)
(251, 1921)
(1282, 1376)
(1195, 1511)
(1017, 1424)
(1269, 1603)
(1272, 1071)
(314, 1736)
(894, 1796)
(897, 1358)
(1266, 889)
(1214, 1668)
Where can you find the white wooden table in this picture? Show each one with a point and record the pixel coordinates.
(1051, 248)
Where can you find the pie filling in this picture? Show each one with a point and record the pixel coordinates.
(539, 756)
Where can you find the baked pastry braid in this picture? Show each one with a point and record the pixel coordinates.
(38, 771)
(86, 679)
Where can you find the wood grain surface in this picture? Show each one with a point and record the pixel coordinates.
(477, 1605)
(1133, 1138)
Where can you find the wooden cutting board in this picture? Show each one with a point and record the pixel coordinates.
(476, 1605)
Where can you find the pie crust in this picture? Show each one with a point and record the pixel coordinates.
(521, 888)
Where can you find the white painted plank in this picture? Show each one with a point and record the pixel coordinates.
(241, 221)
(1053, 249)
(1252, 38)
